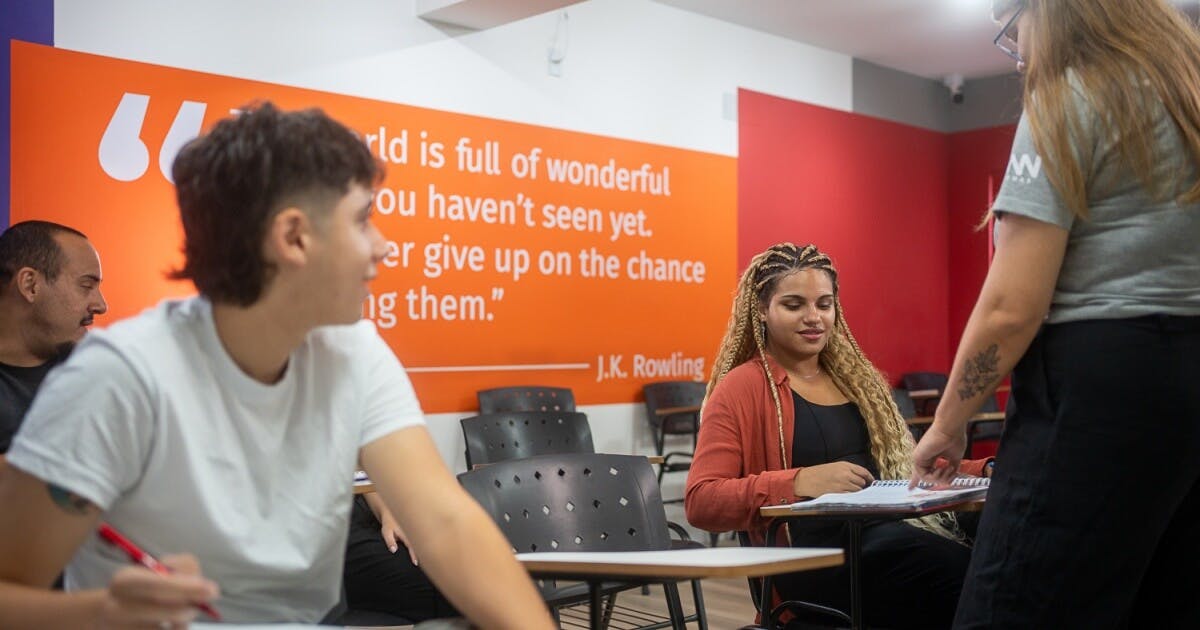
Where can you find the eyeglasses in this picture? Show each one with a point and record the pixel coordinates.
(1006, 39)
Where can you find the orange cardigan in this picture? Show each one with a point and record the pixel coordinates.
(736, 468)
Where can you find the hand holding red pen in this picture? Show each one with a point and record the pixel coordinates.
(167, 596)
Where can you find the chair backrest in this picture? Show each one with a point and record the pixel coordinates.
(913, 381)
(904, 402)
(667, 394)
(497, 437)
(525, 398)
(573, 502)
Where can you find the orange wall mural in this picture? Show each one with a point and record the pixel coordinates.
(518, 254)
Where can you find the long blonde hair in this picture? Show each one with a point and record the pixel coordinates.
(842, 359)
(1112, 47)
(891, 443)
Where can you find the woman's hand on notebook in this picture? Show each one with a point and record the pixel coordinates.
(813, 481)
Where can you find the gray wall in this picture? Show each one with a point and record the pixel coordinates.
(987, 103)
(904, 98)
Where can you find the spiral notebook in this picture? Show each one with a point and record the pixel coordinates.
(892, 495)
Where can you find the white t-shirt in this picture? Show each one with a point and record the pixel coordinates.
(152, 421)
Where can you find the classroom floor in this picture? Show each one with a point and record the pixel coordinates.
(726, 600)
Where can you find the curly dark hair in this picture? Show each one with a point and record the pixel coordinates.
(31, 244)
(233, 180)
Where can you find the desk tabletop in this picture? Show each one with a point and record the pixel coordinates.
(682, 563)
(987, 416)
(786, 511)
(203, 625)
(670, 411)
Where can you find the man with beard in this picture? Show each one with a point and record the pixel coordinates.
(49, 293)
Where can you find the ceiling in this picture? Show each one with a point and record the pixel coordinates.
(929, 38)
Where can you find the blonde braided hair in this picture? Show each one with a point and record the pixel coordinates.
(891, 444)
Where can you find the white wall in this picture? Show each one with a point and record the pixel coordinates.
(634, 69)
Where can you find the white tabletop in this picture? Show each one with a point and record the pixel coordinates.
(683, 563)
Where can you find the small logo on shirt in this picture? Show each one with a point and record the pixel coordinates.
(1024, 168)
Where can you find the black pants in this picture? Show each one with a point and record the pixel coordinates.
(1091, 519)
(378, 580)
(911, 578)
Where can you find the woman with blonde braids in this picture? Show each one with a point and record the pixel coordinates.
(794, 410)
(1093, 302)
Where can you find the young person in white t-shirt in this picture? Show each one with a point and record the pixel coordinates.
(228, 425)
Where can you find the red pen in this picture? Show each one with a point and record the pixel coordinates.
(114, 538)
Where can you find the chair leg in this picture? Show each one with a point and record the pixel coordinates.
(659, 440)
(698, 598)
(674, 606)
(609, 602)
(712, 538)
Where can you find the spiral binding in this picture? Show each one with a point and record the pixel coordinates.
(959, 482)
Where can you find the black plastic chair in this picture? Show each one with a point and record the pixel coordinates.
(979, 431)
(904, 403)
(497, 437)
(987, 430)
(667, 395)
(525, 398)
(582, 502)
(916, 381)
(908, 410)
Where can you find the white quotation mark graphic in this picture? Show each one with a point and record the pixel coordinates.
(125, 157)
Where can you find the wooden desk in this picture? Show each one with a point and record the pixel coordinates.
(923, 423)
(924, 394)
(671, 411)
(682, 564)
(363, 487)
(987, 416)
(781, 514)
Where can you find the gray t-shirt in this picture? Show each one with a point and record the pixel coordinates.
(1133, 255)
(153, 421)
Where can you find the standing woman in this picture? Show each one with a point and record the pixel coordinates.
(795, 410)
(1095, 288)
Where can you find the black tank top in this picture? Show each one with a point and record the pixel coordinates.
(822, 434)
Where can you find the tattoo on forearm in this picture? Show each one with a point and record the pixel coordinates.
(70, 502)
(980, 372)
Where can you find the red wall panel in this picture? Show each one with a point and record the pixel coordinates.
(977, 163)
(873, 195)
